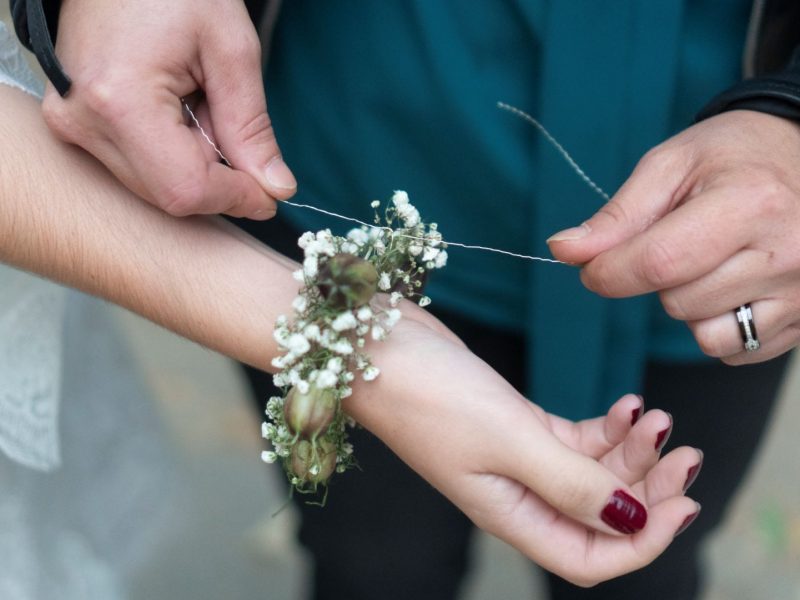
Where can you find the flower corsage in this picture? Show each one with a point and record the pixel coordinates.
(323, 343)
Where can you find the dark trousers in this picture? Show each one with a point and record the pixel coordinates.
(385, 534)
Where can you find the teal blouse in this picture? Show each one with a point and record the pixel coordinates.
(372, 96)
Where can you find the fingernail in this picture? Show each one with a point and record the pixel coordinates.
(637, 412)
(571, 234)
(688, 521)
(663, 436)
(624, 513)
(692, 473)
(279, 175)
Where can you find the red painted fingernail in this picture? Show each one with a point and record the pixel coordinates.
(663, 435)
(692, 473)
(688, 521)
(624, 513)
(635, 414)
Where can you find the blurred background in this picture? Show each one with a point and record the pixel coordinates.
(226, 543)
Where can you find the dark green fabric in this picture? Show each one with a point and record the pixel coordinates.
(368, 97)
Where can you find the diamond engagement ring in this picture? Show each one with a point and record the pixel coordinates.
(747, 327)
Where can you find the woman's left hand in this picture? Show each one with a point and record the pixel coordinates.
(588, 501)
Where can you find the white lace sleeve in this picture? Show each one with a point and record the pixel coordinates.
(31, 315)
(14, 70)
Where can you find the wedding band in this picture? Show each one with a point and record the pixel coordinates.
(747, 327)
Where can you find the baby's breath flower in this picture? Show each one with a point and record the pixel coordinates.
(300, 303)
(400, 198)
(298, 344)
(304, 239)
(326, 379)
(358, 236)
(310, 266)
(332, 316)
(371, 373)
(311, 332)
(392, 317)
(342, 347)
(430, 254)
(344, 321)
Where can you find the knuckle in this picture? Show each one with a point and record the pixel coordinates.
(577, 496)
(673, 306)
(615, 211)
(659, 265)
(257, 130)
(709, 344)
(184, 197)
(245, 48)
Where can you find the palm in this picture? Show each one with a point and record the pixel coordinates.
(517, 471)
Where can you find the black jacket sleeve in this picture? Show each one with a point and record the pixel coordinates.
(777, 94)
(34, 21)
(772, 62)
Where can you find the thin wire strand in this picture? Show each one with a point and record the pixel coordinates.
(525, 116)
(512, 109)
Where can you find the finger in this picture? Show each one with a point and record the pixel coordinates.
(235, 93)
(638, 453)
(721, 336)
(671, 476)
(586, 558)
(685, 244)
(746, 276)
(572, 483)
(668, 519)
(169, 161)
(647, 195)
(596, 437)
(782, 342)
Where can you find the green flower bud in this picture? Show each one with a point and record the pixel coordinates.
(313, 462)
(310, 414)
(347, 281)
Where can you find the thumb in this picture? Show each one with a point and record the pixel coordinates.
(237, 105)
(573, 483)
(647, 195)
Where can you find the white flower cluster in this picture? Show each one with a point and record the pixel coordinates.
(334, 318)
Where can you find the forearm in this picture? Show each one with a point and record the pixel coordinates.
(63, 216)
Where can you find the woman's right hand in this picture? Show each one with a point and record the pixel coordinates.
(570, 496)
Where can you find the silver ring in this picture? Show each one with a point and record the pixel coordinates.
(747, 327)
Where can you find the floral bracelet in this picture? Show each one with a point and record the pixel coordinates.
(323, 344)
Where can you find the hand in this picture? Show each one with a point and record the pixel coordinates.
(131, 63)
(541, 483)
(710, 220)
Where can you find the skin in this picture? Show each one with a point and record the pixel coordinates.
(532, 479)
(709, 220)
(124, 106)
